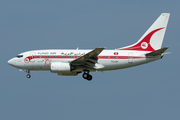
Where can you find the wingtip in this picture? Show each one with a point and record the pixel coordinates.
(102, 47)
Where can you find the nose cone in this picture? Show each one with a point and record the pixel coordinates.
(15, 63)
(11, 62)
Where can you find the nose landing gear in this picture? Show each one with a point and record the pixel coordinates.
(28, 75)
(28, 71)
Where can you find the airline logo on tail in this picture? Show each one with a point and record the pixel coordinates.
(144, 45)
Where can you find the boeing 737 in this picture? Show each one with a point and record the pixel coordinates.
(72, 62)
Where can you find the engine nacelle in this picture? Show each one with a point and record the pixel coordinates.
(57, 67)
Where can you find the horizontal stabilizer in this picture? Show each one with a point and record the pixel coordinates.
(157, 52)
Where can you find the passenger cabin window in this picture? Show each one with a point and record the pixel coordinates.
(19, 56)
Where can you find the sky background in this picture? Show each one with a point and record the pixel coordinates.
(145, 92)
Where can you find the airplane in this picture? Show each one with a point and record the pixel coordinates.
(72, 62)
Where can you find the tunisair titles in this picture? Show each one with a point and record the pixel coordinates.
(62, 53)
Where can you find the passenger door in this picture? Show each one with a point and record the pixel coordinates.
(130, 57)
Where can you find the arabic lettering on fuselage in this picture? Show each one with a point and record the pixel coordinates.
(72, 53)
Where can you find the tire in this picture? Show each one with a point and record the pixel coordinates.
(28, 75)
(85, 75)
(89, 77)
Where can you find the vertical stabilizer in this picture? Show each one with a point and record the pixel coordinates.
(153, 37)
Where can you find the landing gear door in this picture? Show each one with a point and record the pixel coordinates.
(130, 57)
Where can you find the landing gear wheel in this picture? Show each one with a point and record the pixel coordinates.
(89, 78)
(85, 75)
(28, 75)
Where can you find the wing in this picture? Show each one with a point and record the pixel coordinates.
(89, 59)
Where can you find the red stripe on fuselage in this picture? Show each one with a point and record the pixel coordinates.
(75, 57)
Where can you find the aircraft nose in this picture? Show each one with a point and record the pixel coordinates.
(10, 62)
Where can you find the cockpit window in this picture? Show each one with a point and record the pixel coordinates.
(19, 56)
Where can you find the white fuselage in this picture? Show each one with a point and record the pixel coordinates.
(108, 59)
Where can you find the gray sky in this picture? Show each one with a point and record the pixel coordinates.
(146, 92)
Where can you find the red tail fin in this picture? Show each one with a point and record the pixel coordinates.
(144, 44)
(153, 37)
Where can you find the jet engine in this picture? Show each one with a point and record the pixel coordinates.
(57, 67)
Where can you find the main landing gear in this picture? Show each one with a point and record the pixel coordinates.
(87, 76)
